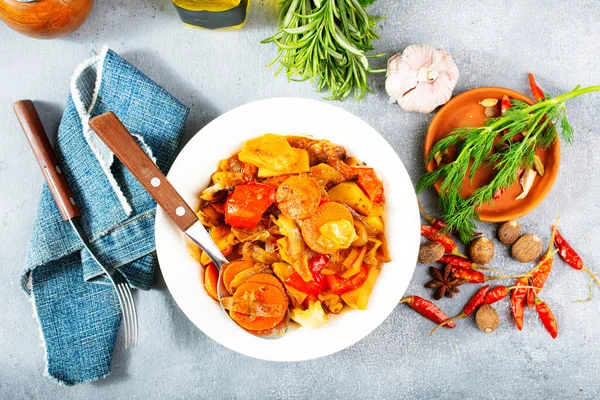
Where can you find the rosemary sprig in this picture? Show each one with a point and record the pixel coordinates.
(538, 123)
(325, 41)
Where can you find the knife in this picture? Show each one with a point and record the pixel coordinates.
(44, 154)
(114, 134)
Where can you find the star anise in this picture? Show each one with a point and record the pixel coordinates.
(444, 282)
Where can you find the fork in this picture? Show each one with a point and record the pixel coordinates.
(44, 154)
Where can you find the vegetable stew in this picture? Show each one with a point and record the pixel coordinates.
(301, 223)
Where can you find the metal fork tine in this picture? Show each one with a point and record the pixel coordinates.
(124, 288)
(135, 320)
(125, 311)
(132, 315)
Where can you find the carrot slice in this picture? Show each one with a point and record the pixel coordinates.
(246, 274)
(327, 212)
(244, 306)
(211, 279)
(269, 280)
(252, 323)
(259, 293)
(267, 332)
(298, 196)
(231, 270)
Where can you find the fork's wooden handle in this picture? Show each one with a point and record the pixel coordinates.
(44, 154)
(112, 132)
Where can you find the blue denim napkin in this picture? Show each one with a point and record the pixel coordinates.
(78, 311)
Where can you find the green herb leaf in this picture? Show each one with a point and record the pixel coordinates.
(474, 148)
(325, 41)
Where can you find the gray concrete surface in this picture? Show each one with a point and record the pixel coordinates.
(493, 42)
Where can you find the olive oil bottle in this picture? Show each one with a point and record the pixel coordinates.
(213, 14)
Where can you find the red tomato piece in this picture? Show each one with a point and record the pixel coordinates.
(247, 203)
(369, 183)
(339, 285)
(317, 284)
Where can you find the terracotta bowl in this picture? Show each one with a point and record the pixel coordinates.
(464, 110)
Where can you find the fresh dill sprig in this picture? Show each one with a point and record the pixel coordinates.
(474, 148)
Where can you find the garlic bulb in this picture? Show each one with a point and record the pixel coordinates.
(421, 78)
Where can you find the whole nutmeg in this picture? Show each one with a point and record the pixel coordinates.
(509, 232)
(527, 248)
(481, 251)
(487, 318)
(430, 252)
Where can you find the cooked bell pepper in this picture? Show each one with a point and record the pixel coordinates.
(317, 284)
(339, 285)
(247, 203)
(369, 183)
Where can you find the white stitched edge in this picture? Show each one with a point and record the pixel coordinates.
(46, 373)
(84, 115)
(144, 146)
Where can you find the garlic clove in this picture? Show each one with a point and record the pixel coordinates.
(527, 182)
(403, 79)
(421, 78)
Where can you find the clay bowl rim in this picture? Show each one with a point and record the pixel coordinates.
(554, 150)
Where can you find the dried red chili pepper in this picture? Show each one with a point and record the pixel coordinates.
(540, 273)
(518, 302)
(496, 294)
(428, 310)
(499, 193)
(463, 263)
(570, 256)
(473, 276)
(499, 292)
(547, 318)
(434, 234)
(538, 94)
(468, 309)
(505, 104)
(530, 298)
(437, 223)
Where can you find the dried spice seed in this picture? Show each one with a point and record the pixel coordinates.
(481, 251)
(487, 318)
(444, 282)
(430, 252)
(539, 167)
(509, 232)
(488, 102)
(527, 248)
(492, 112)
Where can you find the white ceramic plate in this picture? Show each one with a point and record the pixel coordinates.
(224, 136)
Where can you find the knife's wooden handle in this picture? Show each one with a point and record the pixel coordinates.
(44, 154)
(112, 132)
